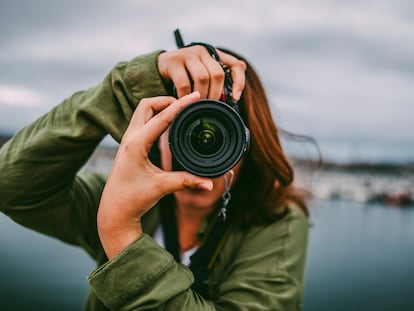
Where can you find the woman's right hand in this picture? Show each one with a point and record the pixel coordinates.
(135, 184)
(195, 65)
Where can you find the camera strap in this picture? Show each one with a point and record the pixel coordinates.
(180, 44)
(203, 260)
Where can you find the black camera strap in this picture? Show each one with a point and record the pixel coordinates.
(203, 260)
(180, 44)
(169, 226)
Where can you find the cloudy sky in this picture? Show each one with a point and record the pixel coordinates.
(340, 71)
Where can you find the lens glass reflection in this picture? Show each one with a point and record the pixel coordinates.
(206, 137)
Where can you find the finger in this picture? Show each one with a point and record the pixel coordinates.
(238, 68)
(160, 122)
(181, 80)
(177, 181)
(147, 108)
(199, 75)
(216, 77)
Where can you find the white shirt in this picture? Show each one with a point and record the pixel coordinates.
(185, 257)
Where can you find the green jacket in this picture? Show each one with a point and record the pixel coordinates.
(42, 189)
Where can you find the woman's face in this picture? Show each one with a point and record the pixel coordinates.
(199, 199)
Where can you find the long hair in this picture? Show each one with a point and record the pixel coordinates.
(265, 182)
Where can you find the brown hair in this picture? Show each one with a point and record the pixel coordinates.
(265, 182)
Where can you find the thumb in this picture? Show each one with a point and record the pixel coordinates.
(176, 181)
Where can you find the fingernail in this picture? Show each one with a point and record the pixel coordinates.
(237, 95)
(193, 95)
(205, 185)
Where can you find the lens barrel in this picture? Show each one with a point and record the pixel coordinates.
(207, 138)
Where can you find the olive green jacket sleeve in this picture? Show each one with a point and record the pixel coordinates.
(40, 187)
(258, 269)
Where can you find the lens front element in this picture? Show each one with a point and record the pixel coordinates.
(206, 138)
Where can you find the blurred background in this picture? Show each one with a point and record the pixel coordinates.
(341, 72)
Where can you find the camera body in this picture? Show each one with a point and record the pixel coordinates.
(209, 137)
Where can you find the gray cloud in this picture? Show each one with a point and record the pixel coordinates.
(340, 71)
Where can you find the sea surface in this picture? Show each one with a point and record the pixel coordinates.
(360, 255)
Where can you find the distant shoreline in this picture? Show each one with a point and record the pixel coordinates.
(361, 166)
(385, 183)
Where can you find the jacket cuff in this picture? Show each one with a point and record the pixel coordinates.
(142, 75)
(141, 275)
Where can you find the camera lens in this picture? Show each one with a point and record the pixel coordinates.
(207, 138)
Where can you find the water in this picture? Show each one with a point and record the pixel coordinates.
(360, 258)
(40, 273)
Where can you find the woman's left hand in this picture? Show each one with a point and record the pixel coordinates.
(135, 184)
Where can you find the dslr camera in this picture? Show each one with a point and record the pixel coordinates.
(208, 137)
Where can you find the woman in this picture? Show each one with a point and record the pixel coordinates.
(252, 257)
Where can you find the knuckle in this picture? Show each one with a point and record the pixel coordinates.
(242, 64)
(203, 78)
(198, 49)
(186, 181)
(170, 56)
(217, 74)
(144, 103)
(182, 86)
